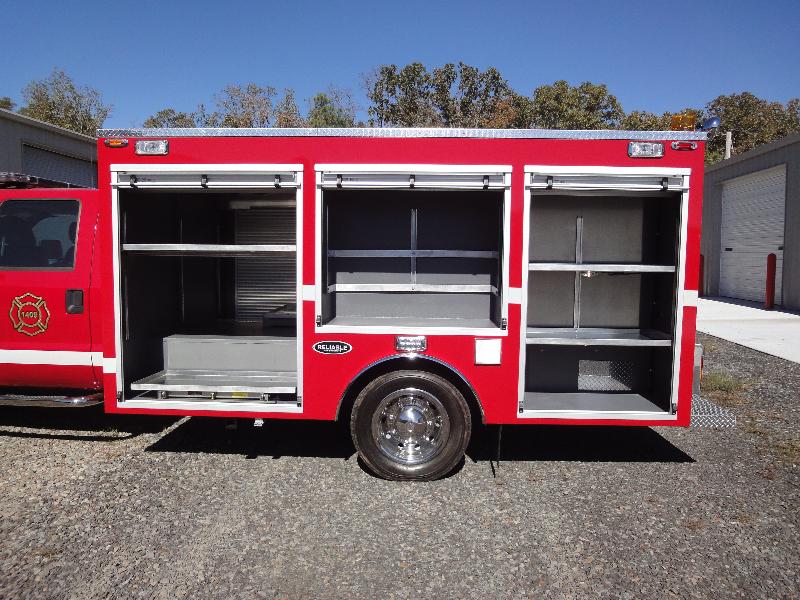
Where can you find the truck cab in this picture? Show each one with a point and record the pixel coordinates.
(48, 345)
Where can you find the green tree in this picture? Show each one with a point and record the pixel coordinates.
(169, 117)
(752, 120)
(453, 95)
(286, 112)
(7, 103)
(58, 101)
(586, 106)
(334, 108)
(248, 105)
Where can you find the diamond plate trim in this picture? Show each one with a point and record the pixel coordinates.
(408, 132)
(707, 414)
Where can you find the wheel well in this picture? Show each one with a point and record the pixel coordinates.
(416, 363)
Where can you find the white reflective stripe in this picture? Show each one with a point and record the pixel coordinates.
(109, 365)
(309, 292)
(690, 297)
(50, 357)
(514, 295)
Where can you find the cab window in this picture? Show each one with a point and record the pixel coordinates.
(38, 234)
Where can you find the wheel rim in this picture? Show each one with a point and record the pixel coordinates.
(410, 426)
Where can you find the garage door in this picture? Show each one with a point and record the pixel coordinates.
(753, 210)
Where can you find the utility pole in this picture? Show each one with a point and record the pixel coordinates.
(728, 143)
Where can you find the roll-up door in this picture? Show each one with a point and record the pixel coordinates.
(206, 176)
(264, 282)
(58, 167)
(753, 213)
(412, 176)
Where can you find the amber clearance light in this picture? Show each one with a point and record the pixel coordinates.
(116, 142)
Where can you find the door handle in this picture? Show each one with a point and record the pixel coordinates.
(74, 302)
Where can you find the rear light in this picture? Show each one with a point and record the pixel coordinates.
(645, 149)
(684, 145)
(152, 147)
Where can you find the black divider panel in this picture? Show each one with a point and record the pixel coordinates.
(552, 230)
(551, 297)
(471, 271)
(368, 220)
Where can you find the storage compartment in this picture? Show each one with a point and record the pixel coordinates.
(602, 378)
(208, 292)
(391, 256)
(601, 301)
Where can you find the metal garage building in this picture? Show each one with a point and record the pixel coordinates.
(47, 152)
(751, 209)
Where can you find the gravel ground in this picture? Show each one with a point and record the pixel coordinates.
(93, 506)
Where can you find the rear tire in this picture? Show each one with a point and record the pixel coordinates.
(410, 425)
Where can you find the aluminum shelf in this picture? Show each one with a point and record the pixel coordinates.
(234, 250)
(601, 267)
(413, 254)
(412, 287)
(589, 402)
(207, 381)
(596, 337)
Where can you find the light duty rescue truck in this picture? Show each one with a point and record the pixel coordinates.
(410, 281)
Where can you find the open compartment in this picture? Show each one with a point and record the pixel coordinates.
(208, 294)
(597, 379)
(601, 301)
(390, 257)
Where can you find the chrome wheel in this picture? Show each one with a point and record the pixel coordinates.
(410, 426)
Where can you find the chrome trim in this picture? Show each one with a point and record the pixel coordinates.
(408, 132)
(51, 401)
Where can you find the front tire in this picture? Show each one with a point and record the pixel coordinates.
(410, 425)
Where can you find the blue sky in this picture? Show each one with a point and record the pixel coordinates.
(145, 55)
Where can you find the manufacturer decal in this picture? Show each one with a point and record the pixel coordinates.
(332, 347)
(29, 314)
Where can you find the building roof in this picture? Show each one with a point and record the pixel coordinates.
(12, 116)
(787, 141)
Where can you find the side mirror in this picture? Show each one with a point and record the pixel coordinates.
(710, 125)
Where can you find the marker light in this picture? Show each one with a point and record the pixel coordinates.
(152, 147)
(645, 149)
(116, 142)
(684, 145)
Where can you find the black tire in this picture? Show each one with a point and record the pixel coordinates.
(422, 394)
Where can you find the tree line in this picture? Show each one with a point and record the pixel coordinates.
(452, 95)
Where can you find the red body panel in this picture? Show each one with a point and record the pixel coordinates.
(62, 354)
(326, 377)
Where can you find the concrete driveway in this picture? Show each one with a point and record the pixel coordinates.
(774, 332)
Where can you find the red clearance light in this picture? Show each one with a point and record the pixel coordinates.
(116, 142)
(684, 145)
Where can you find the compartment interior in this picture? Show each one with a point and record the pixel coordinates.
(601, 301)
(391, 256)
(208, 292)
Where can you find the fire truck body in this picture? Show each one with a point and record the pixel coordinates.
(518, 277)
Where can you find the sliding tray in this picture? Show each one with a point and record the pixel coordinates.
(596, 337)
(236, 384)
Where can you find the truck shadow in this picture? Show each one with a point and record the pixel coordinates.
(89, 424)
(278, 439)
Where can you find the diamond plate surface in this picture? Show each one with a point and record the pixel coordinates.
(407, 132)
(605, 376)
(707, 414)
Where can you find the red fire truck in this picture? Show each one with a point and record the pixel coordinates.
(411, 281)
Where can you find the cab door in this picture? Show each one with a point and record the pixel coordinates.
(47, 239)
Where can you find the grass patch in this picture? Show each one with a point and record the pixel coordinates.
(721, 382)
(723, 389)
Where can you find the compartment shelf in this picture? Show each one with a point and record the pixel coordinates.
(600, 267)
(413, 253)
(412, 287)
(596, 337)
(589, 402)
(227, 250)
(208, 381)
